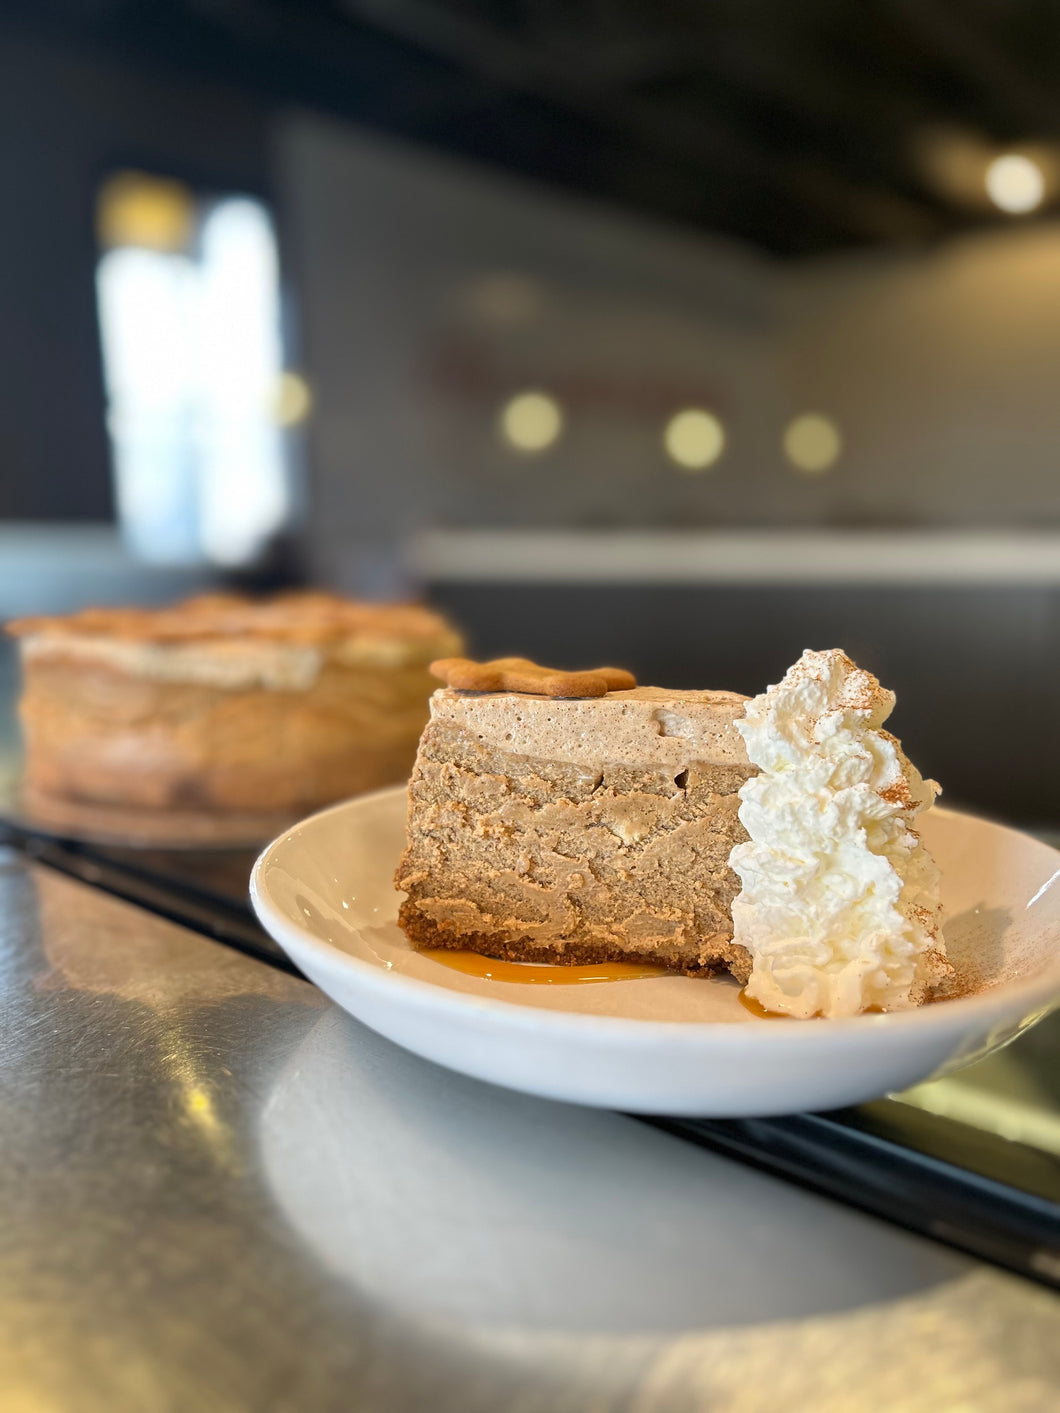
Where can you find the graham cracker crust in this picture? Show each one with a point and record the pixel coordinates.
(423, 933)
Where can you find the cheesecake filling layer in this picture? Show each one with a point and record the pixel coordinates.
(839, 907)
(231, 664)
(227, 664)
(543, 830)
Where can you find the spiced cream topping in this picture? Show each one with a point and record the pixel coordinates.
(839, 907)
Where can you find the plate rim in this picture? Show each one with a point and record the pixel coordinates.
(1032, 998)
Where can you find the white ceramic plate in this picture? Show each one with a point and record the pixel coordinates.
(668, 1044)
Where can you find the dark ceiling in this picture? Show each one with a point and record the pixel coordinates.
(796, 124)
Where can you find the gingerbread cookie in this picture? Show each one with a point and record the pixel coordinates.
(519, 674)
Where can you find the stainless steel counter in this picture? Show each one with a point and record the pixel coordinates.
(220, 1193)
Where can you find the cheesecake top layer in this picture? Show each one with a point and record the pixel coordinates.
(230, 641)
(654, 725)
(305, 617)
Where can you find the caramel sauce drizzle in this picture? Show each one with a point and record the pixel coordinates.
(545, 974)
(539, 973)
(757, 1009)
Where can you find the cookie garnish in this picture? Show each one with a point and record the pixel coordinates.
(519, 674)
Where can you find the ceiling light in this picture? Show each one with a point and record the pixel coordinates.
(293, 400)
(531, 421)
(812, 443)
(694, 439)
(1015, 184)
(153, 213)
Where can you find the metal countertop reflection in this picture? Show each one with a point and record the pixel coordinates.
(221, 1193)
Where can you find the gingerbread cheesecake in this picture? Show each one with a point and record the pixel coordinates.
(575, 818)
(224, 703)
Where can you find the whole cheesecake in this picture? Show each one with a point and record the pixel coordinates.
(224, 703)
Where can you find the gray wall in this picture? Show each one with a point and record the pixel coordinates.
(431, 290)
(942, 368)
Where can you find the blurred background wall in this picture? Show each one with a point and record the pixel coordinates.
(939, 366)
(682, 338)
(433, 294)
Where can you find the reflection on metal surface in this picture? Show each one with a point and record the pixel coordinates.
(1017, 1120)
(222, 1194)
(196, 1105)
(593, 1266)
(512, 1239)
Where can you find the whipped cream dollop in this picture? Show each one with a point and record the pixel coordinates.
(840, 901)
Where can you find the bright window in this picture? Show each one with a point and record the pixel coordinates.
(189, 308)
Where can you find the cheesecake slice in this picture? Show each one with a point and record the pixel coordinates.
(576, 829)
